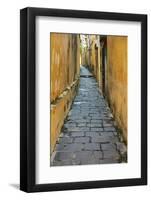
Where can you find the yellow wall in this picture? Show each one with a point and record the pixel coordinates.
(64, 73)
(91, 56)
(100, 52)
(93, 62)
(116, 75)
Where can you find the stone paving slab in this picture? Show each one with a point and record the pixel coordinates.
(92, 147)
(89, 134)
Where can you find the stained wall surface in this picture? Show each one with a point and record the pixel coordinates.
(64, 73)
(116, 75)
(109, 53)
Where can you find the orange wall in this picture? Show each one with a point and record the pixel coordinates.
(64, 73)
(91, 56)
(116, 75)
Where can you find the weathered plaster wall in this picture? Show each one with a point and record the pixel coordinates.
(91, 56)
(64, 73)
(115, 87)
(116, 83)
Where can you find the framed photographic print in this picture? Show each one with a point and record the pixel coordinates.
(83, 99)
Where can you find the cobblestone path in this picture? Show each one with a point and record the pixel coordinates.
(89, 134)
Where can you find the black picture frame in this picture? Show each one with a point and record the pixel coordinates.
(28, 99)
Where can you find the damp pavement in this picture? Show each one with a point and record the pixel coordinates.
(89, 134)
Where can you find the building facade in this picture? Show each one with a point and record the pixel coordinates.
(106, 57)
(64, 78)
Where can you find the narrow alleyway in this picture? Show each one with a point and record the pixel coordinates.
(89, 134)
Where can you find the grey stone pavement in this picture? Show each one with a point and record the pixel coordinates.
(89, 134)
